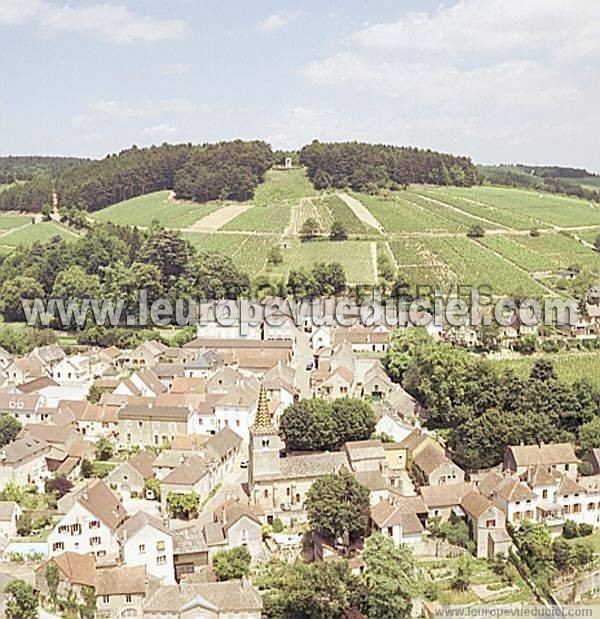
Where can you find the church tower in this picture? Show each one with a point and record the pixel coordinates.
(265, 444)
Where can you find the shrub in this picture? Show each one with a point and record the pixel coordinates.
(570, 530)
(277, 526)
(585, 529)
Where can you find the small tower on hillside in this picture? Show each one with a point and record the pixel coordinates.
(265, 444)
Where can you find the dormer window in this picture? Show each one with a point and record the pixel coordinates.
(266, 442)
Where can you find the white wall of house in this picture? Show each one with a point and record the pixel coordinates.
(152, 548)
(80, 531)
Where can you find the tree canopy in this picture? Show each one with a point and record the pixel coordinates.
(337, 504)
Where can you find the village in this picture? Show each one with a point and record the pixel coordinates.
(131, 470)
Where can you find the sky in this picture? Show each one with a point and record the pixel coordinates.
(498, 80)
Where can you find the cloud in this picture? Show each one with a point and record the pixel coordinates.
(486, 27)
(162, 130)
(124, 110)
(277, 21)
(18, 11)
(176, 68)
(110, 22)
(502, 80)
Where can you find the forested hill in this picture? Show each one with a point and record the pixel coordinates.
(368, 167)
(553, 179)
(227, 170)
(29, 167)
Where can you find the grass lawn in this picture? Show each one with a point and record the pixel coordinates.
(42, 232)
(141, 211)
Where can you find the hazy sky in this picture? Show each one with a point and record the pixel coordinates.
(499, 80)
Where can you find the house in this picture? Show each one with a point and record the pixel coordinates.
(143, 383)
(75, 572)
(231, 599)
(9, 512)
(204, 364)
(90, 524)
(26, 408)
(366, 455)
(23, 462)
(129, 478)
(241, 526)
(558, 457)
(443, 500)
(375, 483)
(24, 369)
(403, 527)
(49, 355)
(236, 409)
(436, 467)
(516, 500)
(75, 369)
(152, 425)
(191, 476)
(98, 420)
(146, 354)
(145, 541)
(362, 338)
(376, 383)
(487, 525)
(120, 591)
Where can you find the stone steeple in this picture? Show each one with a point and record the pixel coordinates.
(263, 423)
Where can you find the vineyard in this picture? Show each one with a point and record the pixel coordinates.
(422, 231)
(569, 366)
(157, 206)
(40, 232)
(357, 258)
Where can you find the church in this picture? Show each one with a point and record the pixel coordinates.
(279, 485)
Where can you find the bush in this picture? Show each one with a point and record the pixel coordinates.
(570, 530)
(585, 468)
(585, 529)
(277, 526)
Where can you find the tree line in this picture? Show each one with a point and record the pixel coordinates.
(32, 196)
(227, 170)
(26, 168)
(485, 410)
(370, 167)
(115, 262)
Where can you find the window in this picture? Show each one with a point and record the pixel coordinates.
(591, 506)
(160, 546)
(576, 508)
(544, 494)
(58, 546)
(76, 529)
(94, 541)
(490, 523)
(128, 598)
(63, 529)
(94, 524)
(142, 548)
(161, 560)
(105, 599)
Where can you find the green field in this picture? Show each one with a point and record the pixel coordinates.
(356, 258)
(425, 232)
(8, 222)
(157, 206)
(569, 366)
(41, 232)
(249, 252)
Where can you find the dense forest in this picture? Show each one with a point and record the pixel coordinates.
(228, 170)
(482, 410)
(26, 168)
(131, 173)
(30, 196)
(540, 179)
(369, 167)
(114, 262)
